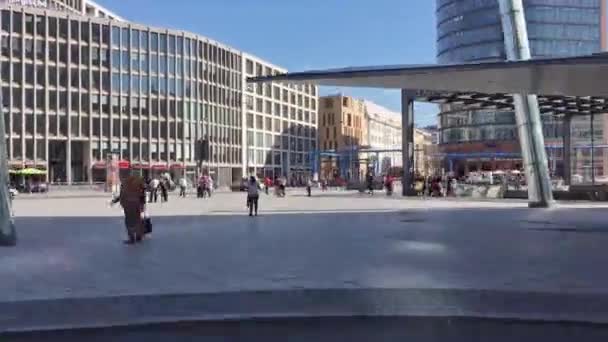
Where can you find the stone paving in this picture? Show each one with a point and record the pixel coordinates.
(71, 248)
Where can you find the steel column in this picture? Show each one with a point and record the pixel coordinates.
(407, 141)
(592, 128)
(567, 143)
(527, 114)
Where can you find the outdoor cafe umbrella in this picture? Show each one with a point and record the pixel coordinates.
(31, 172)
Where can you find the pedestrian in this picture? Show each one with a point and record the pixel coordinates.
(154, 183)
(267, 184)
(309, 187)
(183, 184)
(370, 183)
(252, 196)
(209, 187)
(164, 193)
(132, 198)
(389, 185)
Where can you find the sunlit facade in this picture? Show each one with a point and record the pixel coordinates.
(281, 125)
(78, 87)
(471, 31)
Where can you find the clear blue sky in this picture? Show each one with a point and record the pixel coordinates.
(301, 35)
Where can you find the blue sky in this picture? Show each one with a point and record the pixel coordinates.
(301, 35)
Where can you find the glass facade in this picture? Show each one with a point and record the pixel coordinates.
(471, 30)
(75, 90)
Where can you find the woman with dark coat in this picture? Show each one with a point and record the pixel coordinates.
(132, 198)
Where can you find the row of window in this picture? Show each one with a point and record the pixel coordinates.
(57, 101)
(85, 32)
(57, 125)
(278, 110)
(133, 62)
(278, 94)
(276, 158)
(280, 126)
(267, 140)
(482, 133)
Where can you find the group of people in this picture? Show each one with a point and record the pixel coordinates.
(278, 183)
(388, 183)
(204, 186)
(133, 198)
(435, 186)
(155, 186)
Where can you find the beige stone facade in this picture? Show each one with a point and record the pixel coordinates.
(341, 128)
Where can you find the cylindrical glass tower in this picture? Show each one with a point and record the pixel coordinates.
(470, 31)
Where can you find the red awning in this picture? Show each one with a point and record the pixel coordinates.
(124, 164)
(178, 166)
(159, 167)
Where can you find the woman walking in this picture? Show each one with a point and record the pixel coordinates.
(132, 198)
(253, 196)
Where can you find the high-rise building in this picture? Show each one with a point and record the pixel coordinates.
(470, 31)
(79, 85)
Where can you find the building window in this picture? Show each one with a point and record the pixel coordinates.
(115, 36)
(135, 39)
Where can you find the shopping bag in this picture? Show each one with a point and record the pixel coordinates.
(147, 221)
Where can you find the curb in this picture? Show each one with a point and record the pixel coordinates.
(87, 313)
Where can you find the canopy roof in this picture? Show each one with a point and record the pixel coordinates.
(572, 85)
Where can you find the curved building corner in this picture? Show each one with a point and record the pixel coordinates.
(485, 140)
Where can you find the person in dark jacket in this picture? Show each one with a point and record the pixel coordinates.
(132, 198)
(164, 193)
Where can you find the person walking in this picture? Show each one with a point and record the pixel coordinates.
(370, 183)
(209, 185)
(389, 185)
(132, 198)
(309, 187)
(267, 184)
(253, 196)
(183, 184)
(164, 193)
(154, 190)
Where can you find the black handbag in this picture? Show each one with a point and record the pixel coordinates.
(147, 225)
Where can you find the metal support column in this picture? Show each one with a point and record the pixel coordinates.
(592, 128)
(407, 141)
(8, 234)
(527, 114)
(567, 143)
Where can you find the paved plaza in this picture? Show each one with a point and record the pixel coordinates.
(71, 248)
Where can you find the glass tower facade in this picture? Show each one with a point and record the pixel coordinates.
(471, 30)
(76, 88)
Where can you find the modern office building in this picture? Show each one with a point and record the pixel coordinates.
(78, 86)
(469, 31)
(281, 125)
